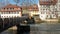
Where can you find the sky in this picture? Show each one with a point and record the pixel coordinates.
(12, 2)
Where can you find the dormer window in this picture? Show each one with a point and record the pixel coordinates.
(11, 8)
(4, 8)
(7, 8)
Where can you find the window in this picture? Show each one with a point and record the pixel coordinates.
(42, 12)
(53, 15)
(47, 16)
(1, 12)
(5, 12)
(11, 8)
(2, 16)
(52, 12)
(40, 9)
(7, 8)
(43, 9)
(4, 8)
(7, 16)
(41, 5)
(14, 12)
(17, 12)
(41, 16)
(11, 12)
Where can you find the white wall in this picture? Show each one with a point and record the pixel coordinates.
(46, 8)
(10, 15)
(42, 16)
(34, 13)
(41, 7)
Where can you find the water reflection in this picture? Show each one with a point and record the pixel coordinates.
(43, 28)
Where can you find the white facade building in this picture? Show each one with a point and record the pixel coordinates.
(58, 8)
(10, 11)
(47, 11)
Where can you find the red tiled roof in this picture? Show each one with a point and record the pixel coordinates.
(30, 8)
(48, 2)
(9, 11)
(24, 7)
(6, 8)
(33, 8)
(11, 6)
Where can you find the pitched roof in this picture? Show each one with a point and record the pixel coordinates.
(48, 2)
(11, 6)
(24, 7)
(33, 8)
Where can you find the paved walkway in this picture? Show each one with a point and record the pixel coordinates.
(51, 20)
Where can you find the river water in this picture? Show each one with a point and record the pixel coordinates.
(45, 28)
(42, 28)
